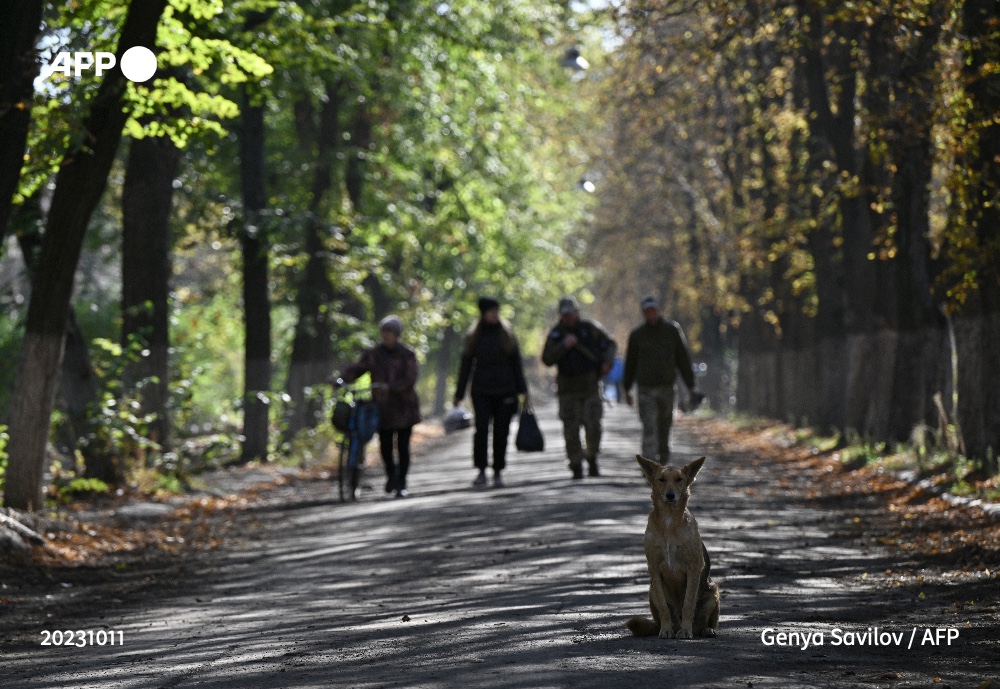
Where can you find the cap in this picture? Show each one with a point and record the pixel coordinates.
(649, 302)
(392, 323)
(568, 305)
(487, 303)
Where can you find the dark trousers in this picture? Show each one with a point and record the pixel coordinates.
(385, 438)
(499, 409)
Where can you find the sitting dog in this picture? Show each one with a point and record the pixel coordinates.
(682, 595)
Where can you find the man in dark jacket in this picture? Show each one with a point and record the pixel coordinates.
(582, 352)
(656, 352)
(491, 356)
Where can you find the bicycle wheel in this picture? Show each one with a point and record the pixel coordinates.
(343, 470)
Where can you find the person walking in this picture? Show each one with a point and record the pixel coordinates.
(492, 359)
(582, 352)
(394, 370)
(613, 381)
(656, 351)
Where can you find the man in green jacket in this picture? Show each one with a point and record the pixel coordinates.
(582, 352)
(656, 352)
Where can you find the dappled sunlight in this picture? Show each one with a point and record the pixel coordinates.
(514, 587)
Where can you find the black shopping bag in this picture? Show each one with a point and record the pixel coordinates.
(529, 435)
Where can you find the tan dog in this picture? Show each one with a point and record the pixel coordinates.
(682, 595)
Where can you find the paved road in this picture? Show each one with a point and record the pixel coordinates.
(527, 586)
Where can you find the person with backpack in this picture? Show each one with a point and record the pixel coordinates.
(491, 357)
(394, 370)
(582, 352)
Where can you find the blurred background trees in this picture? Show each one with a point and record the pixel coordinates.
(809, 187)
(226, 235)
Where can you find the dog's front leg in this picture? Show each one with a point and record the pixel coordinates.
(658, 604)
(690, 603)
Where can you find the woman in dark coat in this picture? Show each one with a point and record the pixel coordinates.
(393, 367)
(492, 358)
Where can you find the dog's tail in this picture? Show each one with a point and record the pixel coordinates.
(643, 626)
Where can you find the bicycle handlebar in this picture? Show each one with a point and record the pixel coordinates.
(339, 383)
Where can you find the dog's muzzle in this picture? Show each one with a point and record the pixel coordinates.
(670, 497)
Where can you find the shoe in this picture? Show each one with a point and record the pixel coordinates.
(481, 479)
(577, 472)
(390, 484)
(592, 469)
(498, 480)
(402, 493)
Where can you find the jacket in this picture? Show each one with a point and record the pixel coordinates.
(398, 404)
(492, 358)
(655, 353)
(579, 368)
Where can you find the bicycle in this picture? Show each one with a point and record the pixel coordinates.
(357, 420)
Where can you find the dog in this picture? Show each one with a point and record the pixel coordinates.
(682, 595)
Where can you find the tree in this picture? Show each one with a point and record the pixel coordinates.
(79, 186)
(147, 198)
(256, 298)
(21, 20)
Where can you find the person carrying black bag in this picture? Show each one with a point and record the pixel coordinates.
(492, 358)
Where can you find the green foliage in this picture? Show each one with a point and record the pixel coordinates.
(79, 487)
(117, 427)
(187, 99)
(859, 454)
(476, 139)
(208, 342)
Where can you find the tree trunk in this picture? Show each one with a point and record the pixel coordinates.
(812, 95)
(79, 186)
(256, 298)
(79, 388)
(80, 391)
(977, 327)
(147, 198)
(312, 350)
(361, 139)
(19, 66)
(444, 364)
(920, 359)
(860, 358)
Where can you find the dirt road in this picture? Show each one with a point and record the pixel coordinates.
(528, 586)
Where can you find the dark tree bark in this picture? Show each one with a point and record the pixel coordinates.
(79, 185)
(361, 138)
(445, 356)
(256, 297)
(312, 349)
(852, 356)
(21, 21)
(79, 388)
(921, 348)
(977, 326)
(147, 199)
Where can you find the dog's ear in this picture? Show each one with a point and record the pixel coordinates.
(691, 470)
(649, 468)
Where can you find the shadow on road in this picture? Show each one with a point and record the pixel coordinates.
(526, 586)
